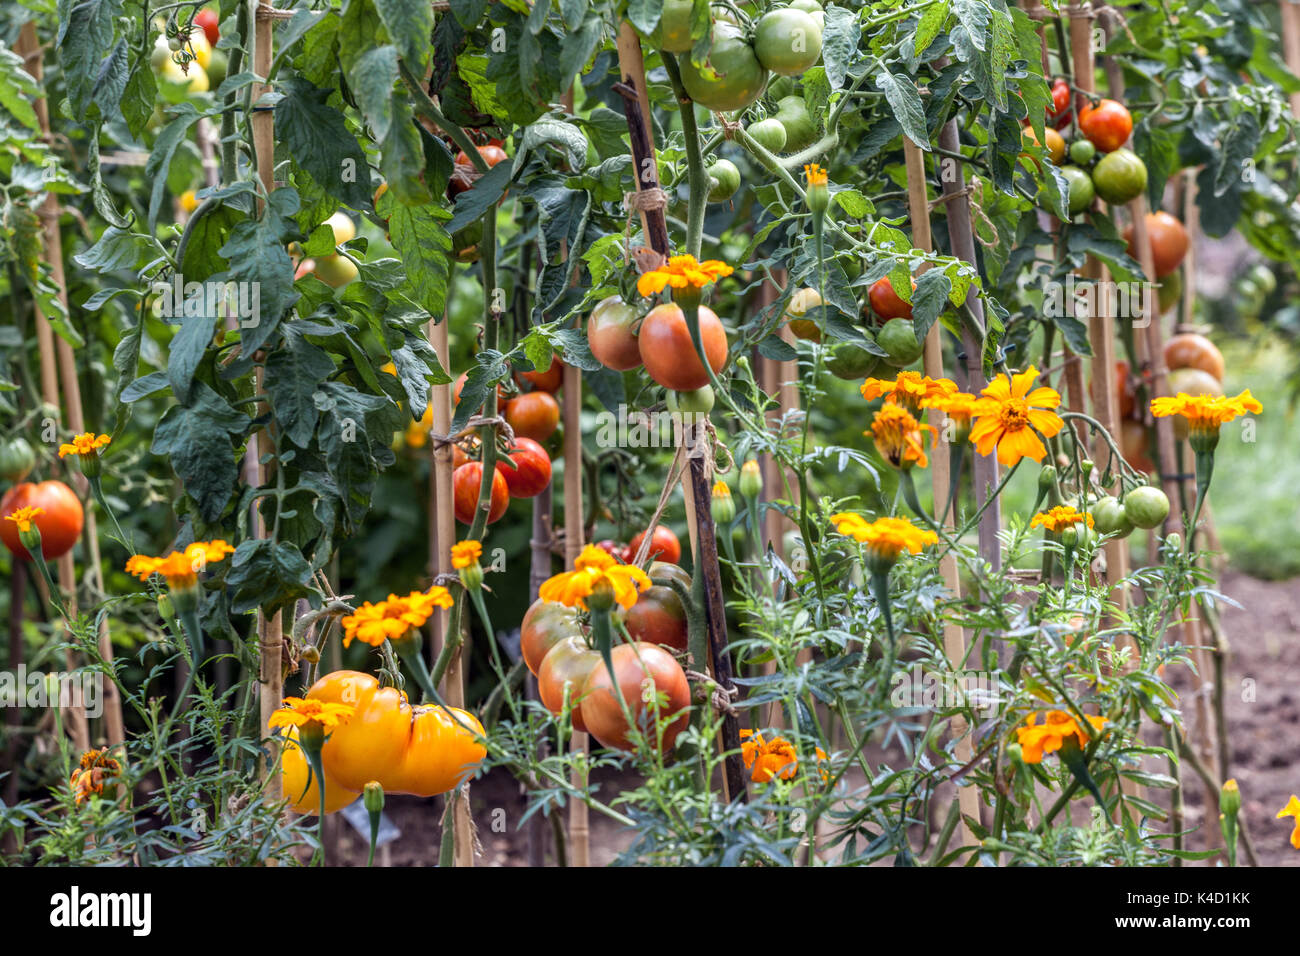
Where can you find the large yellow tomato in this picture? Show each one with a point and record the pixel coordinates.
(304, 797)
(441, 752)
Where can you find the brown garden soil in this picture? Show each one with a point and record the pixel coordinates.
(1263, 705)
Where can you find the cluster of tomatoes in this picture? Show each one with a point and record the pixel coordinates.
(333, 269)
(62, 516)
(887, 320)
(557, 648)
(420, 750)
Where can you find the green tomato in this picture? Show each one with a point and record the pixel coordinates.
(1120, 177)
(812, 8)
(1263, 277)
(1109, 517)
(800, 130)
(769, 134)
(740, 80)
(17, 459)
(218, 64)
(696, 402)
(787, 41)
(1082, 152)
(674, 30)
(898, 338)
(1081, 189)
(1170, 291)
(724, 180)
(850, 361)
(1146, 507)
(780, 87)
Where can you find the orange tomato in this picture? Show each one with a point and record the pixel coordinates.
(533, 415)
(304, 797)
(653, 685)
(441, 752)
(60, 525)
(1108, 124)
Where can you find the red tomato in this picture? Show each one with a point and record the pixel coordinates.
(1108, 125)
(668, 352)
(611, 334)
(491, 155)
(1060, 97)
(533, 415)
(615, 549)
(459, 385)
(1168, 239)
(1133, 444)
(60, 526)
(646, 675)
(465, 482)
(569, 663)
(1125, 390)
(208, 20)
(664, 546)
(658, 616)
(532, 471)
(548, 381)
(545, 624)
(886, 303)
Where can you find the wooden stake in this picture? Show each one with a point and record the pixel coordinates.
(579, 826)
(1291, 43)
(954, 642)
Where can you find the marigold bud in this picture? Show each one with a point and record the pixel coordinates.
(1229, 798)
(373, 797)
(310, 654)
(751, 479)
(723, 507)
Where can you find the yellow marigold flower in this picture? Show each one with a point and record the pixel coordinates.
(1038, 739)
(1008, 414)
(886, 537)
(767, 760)
(1059, 518)
(181, 569)
(24, 517)
(592, 568)
(301, 711)
(1206, 412)
(84, 444)
(682, 272)
(465, 553)
(909, 389)
(388, 620)
(959, 407)
(900, 438)
(815, 175)
(95, 770)
(1292, 809)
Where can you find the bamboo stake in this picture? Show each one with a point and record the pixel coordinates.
(1291, 43)
(539, 570)
(54, 350)
(579, 825)
(954, 642)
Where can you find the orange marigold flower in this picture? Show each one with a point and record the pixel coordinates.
(24, 517)
(389, 620)
(900, 438)
(594, 567)
(465, 553)
(815, 175)
(181, 569)
(1059, 518)
(682, 272)
(302, 711)
(959, 407)
(1009, 413)
(1206, 412)
(95, 770)
(1038, 739)
(909, 389)
(1292, 809)
(86, 443)
(767, 760)
(886, 537)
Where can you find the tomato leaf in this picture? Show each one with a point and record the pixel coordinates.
(196, 435)
(266, 574)
(410, 24)
(903, 98)
(321, 143)
(85, 36)
(293, 372)
(840, 43)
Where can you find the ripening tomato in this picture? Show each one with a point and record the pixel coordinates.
(611, 334)
(1133, 445)
(658, 616)
(491, 155)
(442, 751)
(1125, 390)
(531, 472)
(1060, 98)
(208, 20)
(654, 686)
(664, 545)
(465, 482)
(1190, 350)
(60, 525)
(615, 549)
(669, 354)
(545, 624)
(887, 303)
(566, 665)
(459, 385)
(1168, 239)
(1108, 124)
(533, 415)
(800, 303)
(304, 796)
(549, 380)
(372, 741)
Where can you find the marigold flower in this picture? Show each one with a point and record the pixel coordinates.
(1059, 518)
(85, 444)
(302, 712)
(465, 553)
(593, 568)
(682, 272)
(1205, 413)
(771, 759)
(95, 771)
(886, 537)
(1038, 739)
(815, 175)
(1009, 413)
(900, 438)
(180, 568)
(909, 389)
(1292, 809)
(24, 517)
(958, 407)
(388, 620)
